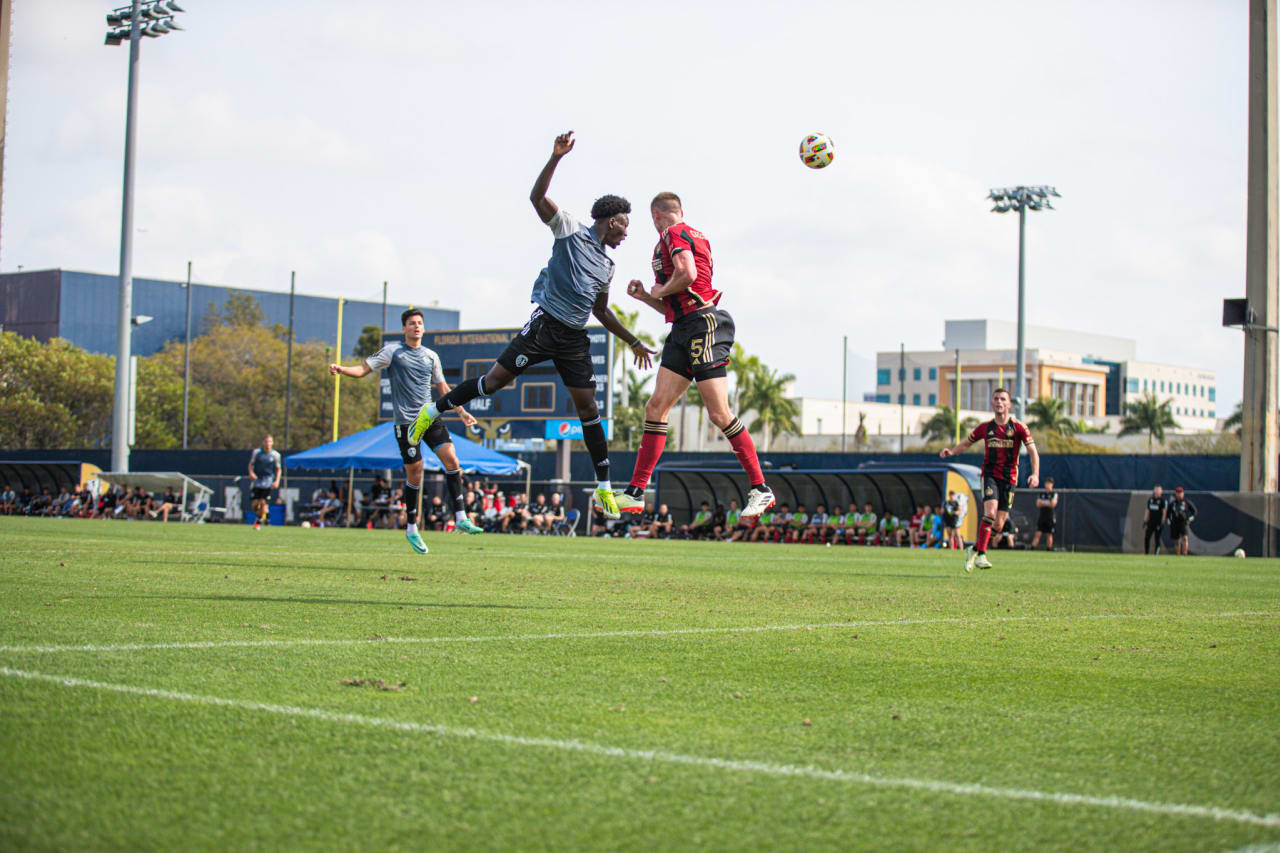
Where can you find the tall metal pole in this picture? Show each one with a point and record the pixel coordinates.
(955, 399)
(1019, 382)
(844, 398)
(288, 370)
(1259, 433)
(123, 390)
(384, 312)
(902, 398)
(337, 387)
(186, 362)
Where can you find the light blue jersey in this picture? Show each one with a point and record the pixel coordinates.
(578, 272)
(414, 371)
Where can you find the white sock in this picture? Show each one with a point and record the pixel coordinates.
(459, 517)
(432, 411)
(410, 529)
(605, 484)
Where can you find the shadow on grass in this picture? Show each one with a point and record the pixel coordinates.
(311, 600)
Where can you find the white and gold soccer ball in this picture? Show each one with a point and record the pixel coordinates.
(816, 150)
(305, 525)
(1239, 552)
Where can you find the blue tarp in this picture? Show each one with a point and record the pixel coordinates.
(376, 447)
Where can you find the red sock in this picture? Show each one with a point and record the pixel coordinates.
(745, 449)
(652, 442)
(984, 535)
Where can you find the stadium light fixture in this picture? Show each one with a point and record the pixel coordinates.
(131, 23)
(1021, 199)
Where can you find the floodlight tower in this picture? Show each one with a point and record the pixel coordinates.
(1021, 199)
(131, 23)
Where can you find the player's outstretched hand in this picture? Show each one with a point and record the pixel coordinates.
(945, 452)
(643, 355)
(334, 369)
(563, 144)
(468, 419)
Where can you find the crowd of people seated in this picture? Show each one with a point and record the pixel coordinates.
(114, 503)
(926, 528)
(489, 508)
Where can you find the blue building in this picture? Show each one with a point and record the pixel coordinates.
(83, 308)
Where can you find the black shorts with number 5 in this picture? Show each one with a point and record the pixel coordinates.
(436, 436)
(699, 345)
(1001, 491)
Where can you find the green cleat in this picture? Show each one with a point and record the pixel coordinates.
(982, 562)
(465, 526)
(969, 557)
(420, 426)
(605, 502)
(415, 542)
(628, 504)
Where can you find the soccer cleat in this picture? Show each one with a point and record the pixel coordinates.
(605, 502)
(969, 558)
(420, 426)
(628, 504)
(758, 500)
(465, 526)
(415, 542)
(982, 562)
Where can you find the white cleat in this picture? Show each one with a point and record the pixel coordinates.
(758, 500)
(982, 562)
(969, 558)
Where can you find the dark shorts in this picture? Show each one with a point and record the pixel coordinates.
(1177, 529)
(436, 436)
(951, 521)
(999, 490)
(699, 345)
(261, 494)
(1046, 525)
(544, 337)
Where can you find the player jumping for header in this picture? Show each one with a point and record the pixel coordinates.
(414, 370)
(696, 350)
(572, 287)
(1004, 437)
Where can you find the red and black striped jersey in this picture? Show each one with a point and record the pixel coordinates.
(681, 237)
(1003, 445)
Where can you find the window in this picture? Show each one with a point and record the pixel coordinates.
(915, 399)
(1132, 386)
(1212, 413)
(1162, 385)
(1212, 391)
(882, 378)
(902, 399)
(1144, 385)
(882, 398)
(933, 373)
(819, 426)
(933, 398)
(915, 374)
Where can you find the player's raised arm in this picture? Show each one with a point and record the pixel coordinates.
(610, 321)
(538, 195)
(355, 371)
(636, 291)
(686, 271)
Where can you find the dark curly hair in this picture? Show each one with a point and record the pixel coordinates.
(609, 205)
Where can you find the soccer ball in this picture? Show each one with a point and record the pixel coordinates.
(305, 525)
(816, 150)
(1239, 552)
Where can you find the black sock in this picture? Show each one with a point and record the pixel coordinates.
(461, 394)
(593, 438)
(453, 479)
(411, 502)
(635, 492)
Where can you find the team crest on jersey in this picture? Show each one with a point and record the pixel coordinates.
(522, 360)
(413, 451)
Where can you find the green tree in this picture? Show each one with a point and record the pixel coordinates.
(1236, 420)
(53, 395)
(942, 426)
(1148, 415)
(775, 413)
(370, 342)
(744, 368)
(621, 352)
(628, 421)
(1049, 414)
(240, 311)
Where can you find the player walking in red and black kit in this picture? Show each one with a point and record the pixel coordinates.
(1004, 437)
(696, 350)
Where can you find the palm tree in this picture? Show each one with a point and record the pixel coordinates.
(744, 368)
(774, 412)
(1050, 414)
(1150, 416)
(1236, 420)
(629, 319)
(942, 426)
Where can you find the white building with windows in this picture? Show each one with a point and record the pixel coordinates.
(1094, 375)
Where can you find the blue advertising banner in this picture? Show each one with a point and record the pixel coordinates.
(572, 429)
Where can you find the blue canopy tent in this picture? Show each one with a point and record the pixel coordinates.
(376, 447)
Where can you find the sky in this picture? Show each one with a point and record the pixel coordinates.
(398, 141)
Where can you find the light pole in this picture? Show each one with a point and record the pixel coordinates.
(186, 362)
(130, 23)
(1021, 199)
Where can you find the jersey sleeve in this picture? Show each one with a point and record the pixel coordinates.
(562, 224)
(1024, 433)
(381, 358)
(437, 374)
(978, 434)
(677, 240)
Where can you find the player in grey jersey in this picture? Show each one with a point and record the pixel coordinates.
(414, 370)
(264, 471)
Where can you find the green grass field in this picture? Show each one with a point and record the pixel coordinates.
(212, 688)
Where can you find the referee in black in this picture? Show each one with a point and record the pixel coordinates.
(1047, 503)
(1181, 513)
(1153, 519)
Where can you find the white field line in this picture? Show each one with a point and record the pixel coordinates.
(736, 766)
(594, 635)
